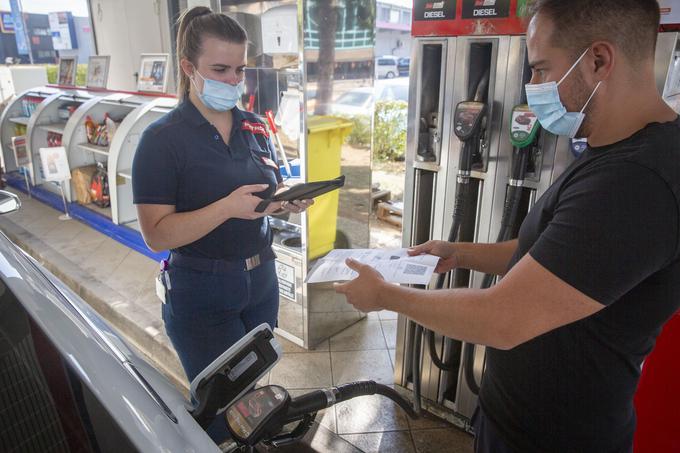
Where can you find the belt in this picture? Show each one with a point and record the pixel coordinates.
(217, 266)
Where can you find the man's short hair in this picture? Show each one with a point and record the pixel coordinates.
(631, 25)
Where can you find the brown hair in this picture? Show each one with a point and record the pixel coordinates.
(631, 25)
(194, 25)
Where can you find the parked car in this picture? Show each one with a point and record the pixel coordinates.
(358, 101)
(403, 65)
(386, 67)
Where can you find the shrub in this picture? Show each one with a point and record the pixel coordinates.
(360, 137)
(389, 133)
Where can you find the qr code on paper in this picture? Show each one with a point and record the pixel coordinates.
(414, 269)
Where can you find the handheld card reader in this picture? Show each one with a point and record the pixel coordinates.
(304, 191)
(524, 126)
(234, 373)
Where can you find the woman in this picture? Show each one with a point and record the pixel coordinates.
(198, 174)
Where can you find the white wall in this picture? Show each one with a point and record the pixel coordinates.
(125, 29)
(386, 42)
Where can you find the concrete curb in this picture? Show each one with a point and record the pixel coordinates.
(110, 304)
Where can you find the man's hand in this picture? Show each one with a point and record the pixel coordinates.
(364, 291)
(445, 250)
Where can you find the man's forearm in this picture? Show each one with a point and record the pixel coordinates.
(486, 258)
(465, 314)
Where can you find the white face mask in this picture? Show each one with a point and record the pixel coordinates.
(544, 100)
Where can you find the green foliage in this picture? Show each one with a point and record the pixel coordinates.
(360, 137)
(81, 74)
(389, 133)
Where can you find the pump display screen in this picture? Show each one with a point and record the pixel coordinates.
(253, 409)
(468, 115)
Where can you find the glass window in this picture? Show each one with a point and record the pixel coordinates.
(384, 14)
(394, 16)
(406, 17)
(354, 98)
(45, 406)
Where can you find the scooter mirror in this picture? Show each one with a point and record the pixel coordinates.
(255, 414)
(234, 373)
(524, 126)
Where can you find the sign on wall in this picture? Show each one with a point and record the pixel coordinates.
(63, 29)
(6, 22)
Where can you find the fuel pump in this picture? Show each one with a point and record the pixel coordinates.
(470, 120)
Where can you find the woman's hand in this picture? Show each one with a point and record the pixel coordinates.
(241, 203)
(447, 251)
(296, 206)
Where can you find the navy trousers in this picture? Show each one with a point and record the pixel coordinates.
(205, 313)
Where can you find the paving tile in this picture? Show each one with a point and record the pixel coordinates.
(360, 365)
(362, 336)
(326, 417)
(64, 234)
(386, 442)
(131, 274)
(389, 329)
(290, 347)
(370, 414)
(303, 371)
(431, 440)
(428, 421)
(104, 259)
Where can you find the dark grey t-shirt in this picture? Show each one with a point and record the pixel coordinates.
(609, 227)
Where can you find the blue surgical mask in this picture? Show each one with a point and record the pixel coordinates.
(544, 100)
(218, 96)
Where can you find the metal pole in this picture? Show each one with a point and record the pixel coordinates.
(28, 40)
(65, 216)
(28, 185)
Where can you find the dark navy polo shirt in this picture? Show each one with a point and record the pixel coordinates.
(181, 160)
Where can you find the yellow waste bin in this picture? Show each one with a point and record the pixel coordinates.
(325, 137)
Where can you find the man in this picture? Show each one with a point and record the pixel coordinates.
(595, 272)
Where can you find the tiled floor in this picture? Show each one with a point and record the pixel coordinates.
(97, 264)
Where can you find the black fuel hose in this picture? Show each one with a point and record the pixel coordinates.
(513, 201)
(321, 399)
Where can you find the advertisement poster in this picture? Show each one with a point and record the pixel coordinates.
(153, 73)
(98, 71)
(67, 71)
(434, 10)
(62, 28)
(19, 28)
(21, 154)
(486, 9)
(55, 164)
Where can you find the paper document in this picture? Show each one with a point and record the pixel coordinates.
(395, 265)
